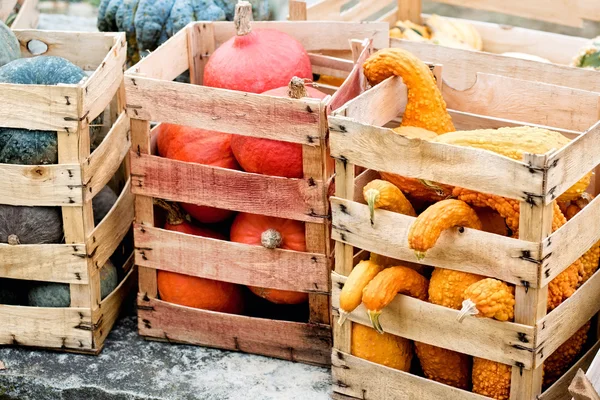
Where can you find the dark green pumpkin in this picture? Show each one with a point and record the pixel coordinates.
(149, 23)
(10, 49)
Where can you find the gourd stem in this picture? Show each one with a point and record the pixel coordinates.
(468, 308)
(343, 317)
(175, 216)
(297, 89)
(13, 240)
(420, 255)
(428, 184)
(374, 317)
(372, 195)
(242, 18)
(271, 239)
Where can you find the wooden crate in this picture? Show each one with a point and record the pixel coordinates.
(71, 184)
(358, 137)
(27, 16)
(153, 96)
(497, 39)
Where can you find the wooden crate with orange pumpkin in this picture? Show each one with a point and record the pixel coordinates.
(242, 258)
(65, 266)
(506, 50)
(469, 242)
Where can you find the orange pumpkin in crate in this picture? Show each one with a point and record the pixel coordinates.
(199, 146)
(271, 233)
(192, 291)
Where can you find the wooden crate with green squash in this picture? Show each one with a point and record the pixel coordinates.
(532, 54)
(65, 257)
(483, 241)
(207, 155)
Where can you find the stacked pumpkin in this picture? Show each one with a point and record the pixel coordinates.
(375, 282)
(21, 225)
(255, 61)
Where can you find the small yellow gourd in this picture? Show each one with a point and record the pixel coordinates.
(386, 285)
(351, 294)
(384, 195)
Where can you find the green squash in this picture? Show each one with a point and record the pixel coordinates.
(149, 23)
(589, 56)
(10, 49)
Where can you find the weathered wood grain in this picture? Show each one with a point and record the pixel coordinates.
(299, 199)
(28, 15)
(293, 341)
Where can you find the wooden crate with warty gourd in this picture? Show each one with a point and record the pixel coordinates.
(466, 46)
(65, 252)
(232, 230)
(466, 253)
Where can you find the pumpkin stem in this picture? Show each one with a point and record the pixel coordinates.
(374, 317)
(372, 196)
(13, 240)
(468, 308)
(175, 215)
(297, 89)
(271, 239)
(242, 18)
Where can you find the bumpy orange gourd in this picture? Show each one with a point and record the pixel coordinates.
(492, 222)
(489, 298)
(427, 228)
(382, 289)
(425, 107)
(384, 195)
(351, 293)
(591, 258)
(561, 360)
(491, 379)
(385, 349)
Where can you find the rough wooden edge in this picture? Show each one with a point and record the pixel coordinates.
(28, 16)
(231, 262)
(293, 341)
(101, 165)
(508, 259)
(6, 8)
(414, 319)
(299, 199)
(65, 263)
(353, 377)
(581, 387)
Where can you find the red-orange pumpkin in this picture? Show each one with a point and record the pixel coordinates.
(193, 291)
(271, 233)
(199, 146)
(256, 60)
(272, 157)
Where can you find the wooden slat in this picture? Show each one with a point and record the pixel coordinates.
(41, 185)
(106, 237)
(166, 63)
(100, 88)
(99, 168)
(530, 101)
(331, 64)
(502, 259)
(569, 242)
(383, 150)
(105, 316)
(316, 35)
(414, 319)
(573, 161)
(461, 67)
(582, 389)
(46, 327)
(201, 44)
(291, 120)
(555, 328)
(355, 377)
(281, 339)
(409, 10)
(356, 82)
(558, 391)
(297, 199)
(6, 7)
(232, 262)
(69, 45)
(51, 108)
(28, 16)
(44, 262)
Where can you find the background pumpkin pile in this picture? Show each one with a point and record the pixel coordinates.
(255, 61)
(375, 282)
(20, 225)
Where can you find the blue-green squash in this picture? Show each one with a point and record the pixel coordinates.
(149, 23)
(10, 49)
